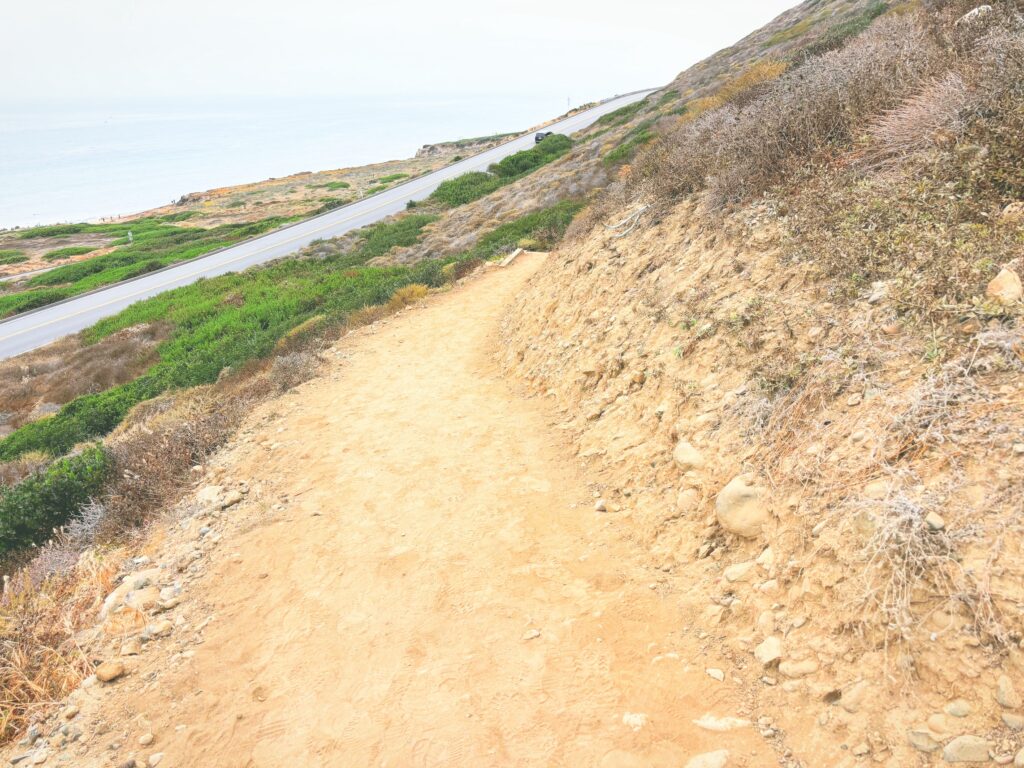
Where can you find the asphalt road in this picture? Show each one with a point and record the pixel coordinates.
(30, 330)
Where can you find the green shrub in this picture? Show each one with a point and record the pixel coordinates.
(631, 142)
(621, 115)
(11, 256)
(375, 189)
(67, 253)
(30, 510)
(53, 230)
(391, 178)
(476, 184)
(546, 227)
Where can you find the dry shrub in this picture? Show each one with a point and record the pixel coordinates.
(739, 150)
(288, 371)
(15, 471)
(933, 116)
(406, 295)
(40, 662)
(906, 570)
(60, 372)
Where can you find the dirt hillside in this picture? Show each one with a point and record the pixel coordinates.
(402, 563)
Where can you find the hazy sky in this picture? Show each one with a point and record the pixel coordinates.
(56, 50)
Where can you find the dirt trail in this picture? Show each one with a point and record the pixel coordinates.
(439, 590)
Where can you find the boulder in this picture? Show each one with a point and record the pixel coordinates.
(967, 749)
(740, 507)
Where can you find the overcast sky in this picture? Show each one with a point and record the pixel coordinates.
(59, 50)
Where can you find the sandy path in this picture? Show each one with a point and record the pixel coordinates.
(399, 626)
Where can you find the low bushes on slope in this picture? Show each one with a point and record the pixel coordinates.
(156, 243)
(476, 184)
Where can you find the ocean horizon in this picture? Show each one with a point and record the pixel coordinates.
(85, 162)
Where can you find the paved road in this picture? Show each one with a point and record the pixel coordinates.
(34, 329)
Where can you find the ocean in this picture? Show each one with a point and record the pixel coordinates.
(82, 162)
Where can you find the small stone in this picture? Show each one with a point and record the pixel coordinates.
(154, 759)
(854, 399)
(738, 572)
(861, 749)
(109, 671)
(715, 674)
(40, 757)
(600, 505)
(798, 668)
(853, 697)
(934, 521)
(958, 708)
(720, 724)
(769, 651)
(1006, 694)
(1018, 760)
(231, 498)
(877, 489)
(160, 628)
(717, 759)
(70, 712)
(146, 739)
(531, 634)
(1005, 288)
(922, 740)
(967, 749)
(131, 647)
(1013, 722)
(687, 457)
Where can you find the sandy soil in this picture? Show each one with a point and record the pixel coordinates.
(431, 587)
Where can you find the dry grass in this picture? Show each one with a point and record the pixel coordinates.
(60, 372)
(40, 662)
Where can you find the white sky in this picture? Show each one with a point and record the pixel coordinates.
(60, 50)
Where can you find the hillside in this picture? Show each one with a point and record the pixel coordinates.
(731, 477)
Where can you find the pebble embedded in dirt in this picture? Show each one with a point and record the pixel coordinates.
(967, 749)
(146, 739)
(1005, 288)
(531, 634)
(109, 671)
(70, 712)
(687, 457)
(796, 669)
(717, 759)
(739, 507)
(769, 651)
(922, 740)
(958, 708)
(600, 505)
(1006, 694)
(155, 759)
(715, 674)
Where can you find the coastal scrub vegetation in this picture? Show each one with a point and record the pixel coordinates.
(153, 243)
(476, 184)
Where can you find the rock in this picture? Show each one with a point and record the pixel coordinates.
(766, 559)
(861, 749)
(154, 759)
(1018, 760)
(769, 651)
(160, 629)
(109, 671)
(715, 674)
(600, 505)
(143, 599)
(1005, 288)
(922, 740)
(934, 521)
(876, 489)
(531, 634)
(635, 720)
(853, 696)
(738, 572)
(958, 708)
(740, 508)
(230, 499)
(687, 457)
(1006, 694)
(146, 739)
(70, 713)
(1013, 213)
(209, 495)
(798, 668)
(131, 647)
(717, 759)
(720, 724)
(1013, 722)
(967, 749)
